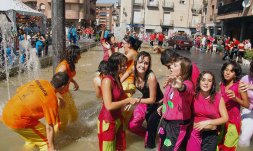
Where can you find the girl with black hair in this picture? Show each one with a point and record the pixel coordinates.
(109, 46)
(147, 84)
(68, 113)
(101, 72)
(234, 98)
(131, 47)
(111, 133)
(209, 111)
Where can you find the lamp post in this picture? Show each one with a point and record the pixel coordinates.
(58, 31)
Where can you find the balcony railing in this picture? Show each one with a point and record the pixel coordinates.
(153, 3)
(138, 2)
(230, 8)
(196, 8)
(167, 4)
(167, 22)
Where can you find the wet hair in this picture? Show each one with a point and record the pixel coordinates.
(60, 79)
(141, 55)
(213, 87)
(186, 67)
(236, 68)
(251, 70)
(134, 43)
(73, 52)
(114, 61)
(102, 67)
(108, 38)
(168, 56)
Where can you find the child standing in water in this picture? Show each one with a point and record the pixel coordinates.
(176, 108)
(147, 84)
(234, 98)
(111, 134)
(68, 113)
(209, 111)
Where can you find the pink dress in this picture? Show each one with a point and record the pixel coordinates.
(203, 110)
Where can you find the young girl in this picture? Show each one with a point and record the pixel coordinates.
(131, 46)
(209, 111)
(68, 113)
(102, 71)
(176, 108)
(109, 47)
(147, 84)
(234, 98)
(111, 134)
(247, 113)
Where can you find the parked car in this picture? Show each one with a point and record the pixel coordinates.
(180, 42)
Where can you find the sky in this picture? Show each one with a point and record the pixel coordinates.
(106, 1)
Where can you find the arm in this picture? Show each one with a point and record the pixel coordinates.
(152, 84)
(212, 124)
(107, 96)
(97, 86)
(126, 74)
(50, 136)
(76, 86)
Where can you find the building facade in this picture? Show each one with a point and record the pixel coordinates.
(104, 15)
(234, 17)
(80, 12)
(162, 15)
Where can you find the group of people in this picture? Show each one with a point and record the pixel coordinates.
(74, 34)
(190, 114)
(43, 99)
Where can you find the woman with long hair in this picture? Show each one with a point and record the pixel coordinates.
(234, 98)
(147, 84)
(111, 133)
(68, 112)
(209, 111)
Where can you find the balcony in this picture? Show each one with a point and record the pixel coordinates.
(167, 22)
(230, 8)
(138, 2)
(167, 4)
(153, 4)
(196, 8)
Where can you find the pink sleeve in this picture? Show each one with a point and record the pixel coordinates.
(195, 73)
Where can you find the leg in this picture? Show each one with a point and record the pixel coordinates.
(136, 121)
(246, 129)
(152, 124)
(209, 140)
(120, 135)
(34, 137)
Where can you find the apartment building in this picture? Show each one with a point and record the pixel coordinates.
(104, 14)
(76, 11)
(235, 17)
(162, 15)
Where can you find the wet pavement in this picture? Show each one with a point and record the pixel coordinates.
(83, 136)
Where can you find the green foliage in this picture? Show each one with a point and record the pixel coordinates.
(249, 54)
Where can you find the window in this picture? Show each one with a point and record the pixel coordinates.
(182, 1)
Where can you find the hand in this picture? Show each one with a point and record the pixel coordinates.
(76, 86)
(177, 83)
(133, 101)
(201, 125)
(61, 102)
(231, 94)
(244, 86)
(166, 82)
(159, 110)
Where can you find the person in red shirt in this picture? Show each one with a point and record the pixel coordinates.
(152, 38)
(160, 39)
(227, 48)
(235, 48)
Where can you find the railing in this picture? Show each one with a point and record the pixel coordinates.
(167, 22)
(167, 4)
(138, 2)
(153, 3)
(230, 8)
